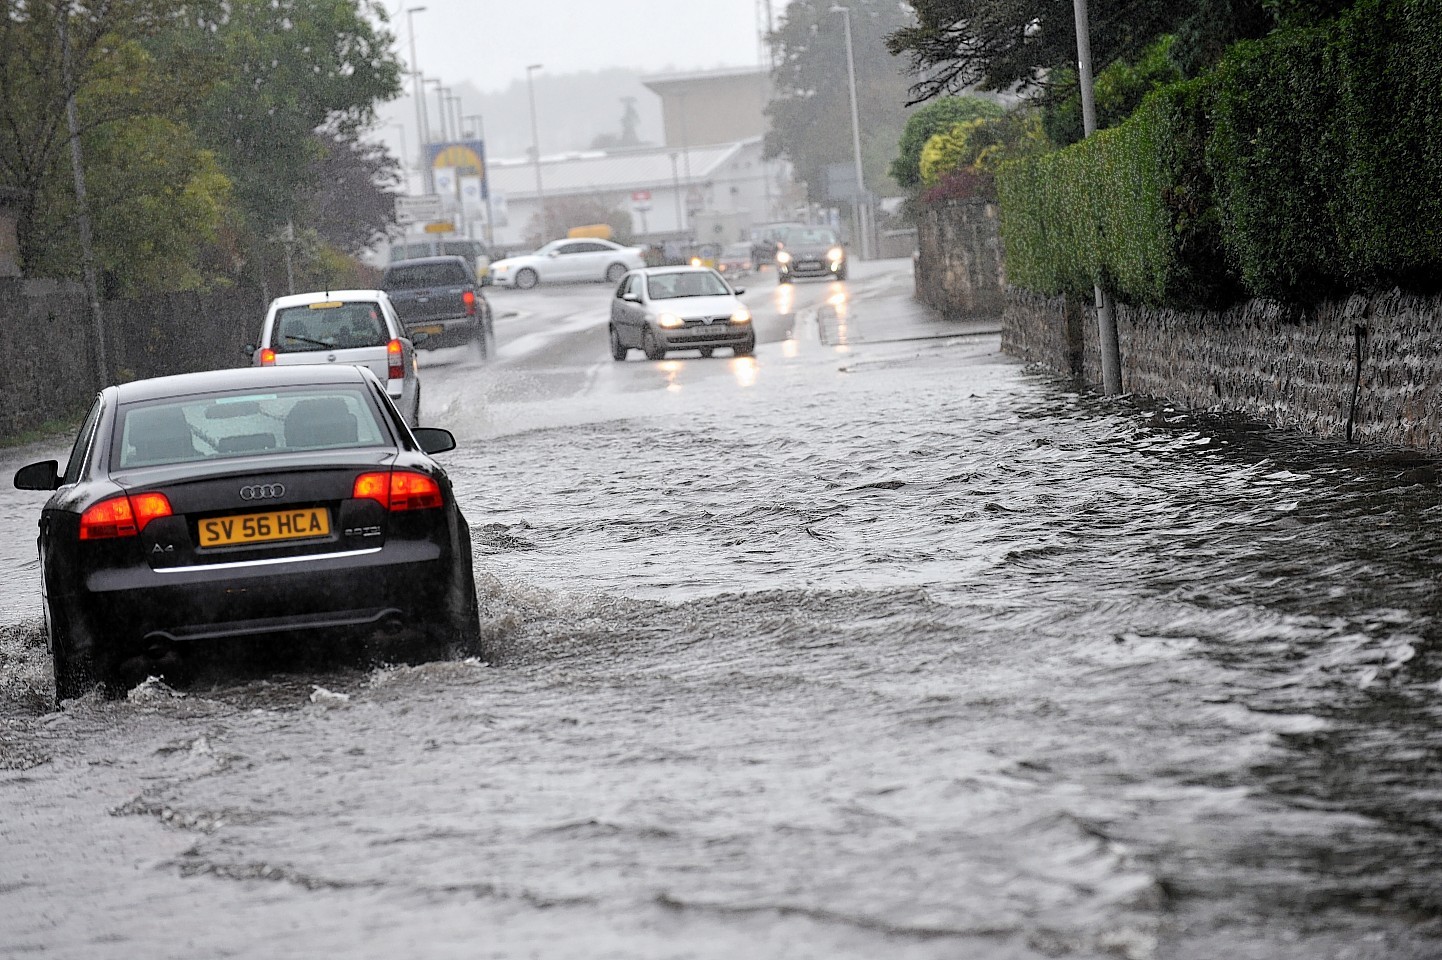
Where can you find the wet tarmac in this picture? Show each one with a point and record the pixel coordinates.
(877, 644)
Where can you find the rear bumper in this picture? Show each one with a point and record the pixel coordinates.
(446, 332)
(131, 610)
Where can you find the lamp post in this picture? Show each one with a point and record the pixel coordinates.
(421, 132)
(400, 128)
(1106, 317)
(479, 132)
(536, 145)
(861, 218)
(440, 108)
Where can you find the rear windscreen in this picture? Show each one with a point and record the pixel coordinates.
(413, 276)
(243, 423)
(334, 325)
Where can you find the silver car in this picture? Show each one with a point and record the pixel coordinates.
(679, 308)
(358, 327)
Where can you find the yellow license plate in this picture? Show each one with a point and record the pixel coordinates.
(264, 527)
(435, 328)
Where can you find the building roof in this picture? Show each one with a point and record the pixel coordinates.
(623, 170)
(688, 79)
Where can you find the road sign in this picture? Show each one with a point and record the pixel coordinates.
(417, 209)
(440, 226)
(640, 200)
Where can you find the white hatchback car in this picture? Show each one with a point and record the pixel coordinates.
(358, 327)
(679, 308)
(591, 260)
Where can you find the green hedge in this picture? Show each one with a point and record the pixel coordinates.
(1147, 183)
(1306, 163)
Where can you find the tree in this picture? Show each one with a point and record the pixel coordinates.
(116, 80)
(928, 121)
(811, 111)
(1022, 44)
(291, 68)
(351, 202)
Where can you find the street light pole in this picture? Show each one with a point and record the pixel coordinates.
(400, 128)
(536, 145)
(676, 189)
(861, 218)
(421, 133)
(480, 134)
(1106, 314)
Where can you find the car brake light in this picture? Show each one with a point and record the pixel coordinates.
(395, 362)
(399, 490)
(122, 516)
(469, 299)
(267, 357)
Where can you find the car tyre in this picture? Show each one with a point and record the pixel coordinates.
(416, 409)
(71, 658)
(615, 272)
(459, 633)
(618, 351)
(746, 349)
(651, 347)
(705, 351)
(841, 274)
(526, 278)
(782, 278)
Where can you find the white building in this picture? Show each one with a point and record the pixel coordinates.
(669, 191)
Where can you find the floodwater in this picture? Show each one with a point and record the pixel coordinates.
(872, 646)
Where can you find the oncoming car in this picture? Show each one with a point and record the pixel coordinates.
(810, 252)
(234, 505)
(678, 308)
(357, 327)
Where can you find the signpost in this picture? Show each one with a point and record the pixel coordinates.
(418, 209)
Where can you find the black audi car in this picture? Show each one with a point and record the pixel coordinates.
(240, 505)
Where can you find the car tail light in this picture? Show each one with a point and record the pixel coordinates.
(469, 299)
(267, 357)
(399, 490)
(122, 516)
(395, 361)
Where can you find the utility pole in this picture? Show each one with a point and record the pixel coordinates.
(862, 225)
(1106, 314)
(77, 164)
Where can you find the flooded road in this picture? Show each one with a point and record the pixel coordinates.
(875, 645)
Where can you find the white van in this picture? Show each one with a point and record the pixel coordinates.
(475, 252)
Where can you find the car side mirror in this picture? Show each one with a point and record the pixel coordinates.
(554, 253)
(738, 290)
(249, 350)
(631, 298)
(434, 439)
(44, 475)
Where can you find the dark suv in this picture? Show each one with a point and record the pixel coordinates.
(439, 296)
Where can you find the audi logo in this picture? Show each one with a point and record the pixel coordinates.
(263, 491)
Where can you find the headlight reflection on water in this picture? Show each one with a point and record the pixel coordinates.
(671, 368)
(744, 369)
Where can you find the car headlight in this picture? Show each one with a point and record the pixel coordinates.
(835, 253)
(742, 315)
(782, 256)
(669, 320)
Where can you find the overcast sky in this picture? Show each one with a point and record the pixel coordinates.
(490, 42)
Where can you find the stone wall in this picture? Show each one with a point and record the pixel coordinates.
(1363, 369)
(959, 270)
(48, 342)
